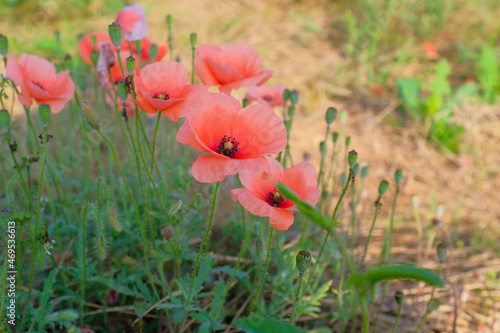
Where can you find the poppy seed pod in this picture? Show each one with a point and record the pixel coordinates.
(364, 172)
(335, 137)
(90, 115)
(4, 120)
(399, 296)
(355, 170)
(4, 45)
(303, 261)
(442, 252)
(168, 19)
(140, 306)
(153, 52)
(331, 114)
(352, 158)
(130, 64)
(294, 97)
(115, 34)
(382, 188)
(44, 113)
(322, 147)
(348, 141)
(399, 177)
(192, 39)
(122, 90)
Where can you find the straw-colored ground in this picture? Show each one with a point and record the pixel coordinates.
(297, 40)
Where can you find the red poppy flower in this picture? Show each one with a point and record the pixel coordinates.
(235, 138)
(85, 44)
(38, 80)
(132, 20)
(431, 50)
(163, 86)
(261, 198)
(236, 66)
(272, 96)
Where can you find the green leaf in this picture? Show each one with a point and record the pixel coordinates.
(306, 208)
(266, 325)
(409, 91)
(396, 272)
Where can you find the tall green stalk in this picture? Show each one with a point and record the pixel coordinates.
(263, 273)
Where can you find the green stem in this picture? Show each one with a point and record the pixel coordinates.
(321, 165)
(428, 307)
(141, 227)
(21, 179)
(37, 214)
(243, 247)
(328, 233)
(84, 261)
(263, 273)
(397, 319)
(366, 315)
(377, 205)
(296, 301)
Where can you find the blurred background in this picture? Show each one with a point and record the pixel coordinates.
(419, 79)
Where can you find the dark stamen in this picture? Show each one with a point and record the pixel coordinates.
(228, 146)
(267, 98)
(274, 198)
(38, 85)
(161, 95)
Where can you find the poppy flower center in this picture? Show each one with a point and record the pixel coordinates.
(38, 85)
(274, 198)
(267, 98)
(161, 95)
(228, 146)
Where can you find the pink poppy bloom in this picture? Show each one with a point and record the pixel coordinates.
(234, 138)
(38, 80)
(132, 20)
(431, 50)
(236, 66)
(163, 86)
(260, 197)
(272, 96)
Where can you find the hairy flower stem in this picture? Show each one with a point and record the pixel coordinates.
(353, 219)
(328, 233)
(322, 163)
(37, 214)
(83, 278)
(296, 300)
(141, 227)
(387, 254)
(397, 318)
(21, 179)
(377, 209)
(428, 307)
(263, 274)
(200, 251)
(243, 247)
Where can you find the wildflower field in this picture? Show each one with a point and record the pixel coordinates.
(249, 166)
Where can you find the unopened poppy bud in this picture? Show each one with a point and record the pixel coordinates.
(122, 90)
(44, 113)
(168, 19)
(294, 97)
(286, 95)
(335, 137)
(399, 296)
(4, 120)
(364, 172)
(167, 233)
(93, 38)
(4, 45)
(331, 114)
(322, 147)
(192, 39)
(343, 117)
(303, 261)
(130, 64)
(244, 103)
(348, 141)
(291, 112)
(90, 115)
(94, 57)
(355, 170)
(140, 306)
(382, 188)
(442, 252)
(115, 34)
(68, 62)
(352, 158)
(153, 52)
(399, 177)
